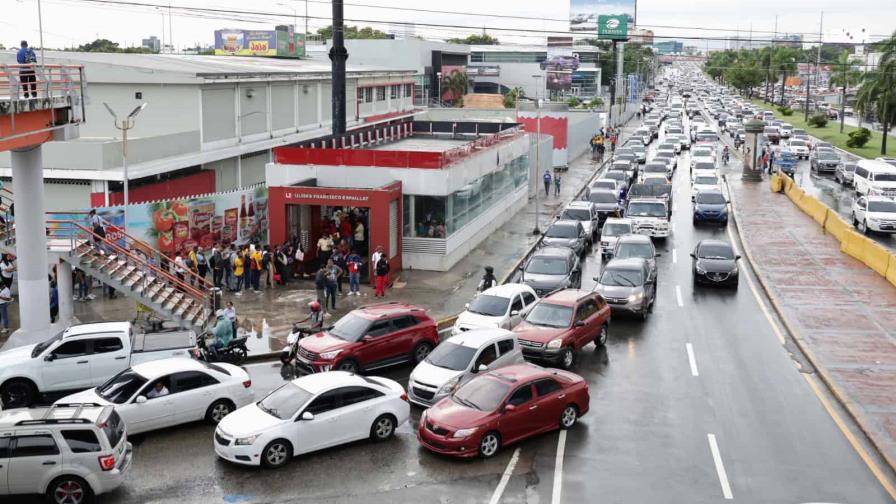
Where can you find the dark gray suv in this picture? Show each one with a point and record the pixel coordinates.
(552, 268)
(567, 233)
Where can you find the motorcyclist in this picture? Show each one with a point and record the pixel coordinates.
(223, 332)
(488, 279)
(315, 318)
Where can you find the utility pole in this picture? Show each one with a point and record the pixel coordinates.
(124, 125)
(537, 230)
(620, 62)
(818, 57)
(170, 29)
(338, 55)
(612, 95)
(40, 27)
(806, 117)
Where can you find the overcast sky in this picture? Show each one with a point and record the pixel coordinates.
(73, 22)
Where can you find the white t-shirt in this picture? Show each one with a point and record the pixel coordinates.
(5, 295)
(3, 266)
(375, 258)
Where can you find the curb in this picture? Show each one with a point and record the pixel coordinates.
(850, 406)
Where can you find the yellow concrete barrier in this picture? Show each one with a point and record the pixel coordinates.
(852, 244)
(777, 183)
(788, 182)
(815, 209)
(796, 194)
(836, 226)
(891, 270)
(876, 257)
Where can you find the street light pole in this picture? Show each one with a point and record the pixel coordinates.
(537, 230)
(124, 125)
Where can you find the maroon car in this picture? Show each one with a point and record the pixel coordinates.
(560, 324)
(370, 337)
(502, 407)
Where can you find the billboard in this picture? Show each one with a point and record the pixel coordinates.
(559, 64)
(282, 42)
(584, 16)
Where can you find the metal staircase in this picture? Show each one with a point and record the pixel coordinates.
(127, 264)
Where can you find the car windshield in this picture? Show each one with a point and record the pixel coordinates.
(616, 229)
(614, 277)
(827, 155)
(615, 175)
(638, 209)
(604, 184)
(121, 387)
(655, 168)
(710, 198)
(602, 197)
(715, 251)
(707, 136)
(798, 143)
(770, 129)
(702, 152)
(580, 214)
(491, 306)
(350, 328)
(550, 315)
(704, 166)
(885, 177)
(656, 181)
(547, 266)
(284, 402)
(882, 206)
(706, 181)
(630, 250)
(40, 347)
(451, 356)
(484, 394)
(562, 231)
(620, 166)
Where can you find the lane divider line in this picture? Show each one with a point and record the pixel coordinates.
(678, 296)
(674, 257)
(502, 484)
(720, 467)
(692, 360)
(558, 468)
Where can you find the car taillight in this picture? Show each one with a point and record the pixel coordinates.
(404, 397)
(107, 463)
(247, 383)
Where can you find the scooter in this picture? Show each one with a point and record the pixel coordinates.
(234, 353)
(291, 350)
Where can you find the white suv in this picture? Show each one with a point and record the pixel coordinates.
(69, 452)
(874, 213)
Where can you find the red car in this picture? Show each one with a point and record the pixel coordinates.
(559, 325)
(370, 337)
(502, 407)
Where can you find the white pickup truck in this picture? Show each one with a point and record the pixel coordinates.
(650, 216)
(81, 357)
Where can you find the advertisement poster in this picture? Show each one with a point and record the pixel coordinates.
(559, 81)
(282, 42)
(180, 224)
(583, 16)
(610, 19)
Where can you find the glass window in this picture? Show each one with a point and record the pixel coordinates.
(379, 328)
(550, 315)
(517, 304)
(35, 446)
(71, 349)
(547, 265)
(285, 401)
(394, 91)
(430, 215)
(546, 386)
(350, 328)
(484, 394)
(405, 322)
(121, 387)
(521, 395)
(113, 428)
(586, 309)
(191, 380)
(408, 90)
(528, 298)
(81, 441)
(105, 345)
(488, 305)
(715, 251)
(353, 395)
(368, 95)
(505, 346)
(4, 447)
(486, 357)
(381, 93)
(451, 356)
(325, 402)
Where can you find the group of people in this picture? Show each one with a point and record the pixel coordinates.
(330, 276)
(238, 268)
(599, 141)
(547, 177)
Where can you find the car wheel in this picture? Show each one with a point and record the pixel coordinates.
(349, 365)
(69, 490)
(569, 417)
(276, 454)
(18, 394)
(421, 351)
(645, 305)
(218, 410)
(602, 336)
(864, 228)
(489, 444)
(383, 428)
(567, 358)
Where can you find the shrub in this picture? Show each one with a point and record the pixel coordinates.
(572, 101)
(818, 120)
(785, 111)
(596, 102)
(858, 138)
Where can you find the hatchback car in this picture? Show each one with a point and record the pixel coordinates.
(715, 263)
(668, 157)
(621, 177)
(704, 182)
(606, 184)
(498, 306)
(710, 206)
(460, 358)
(844, 173)
(158, 394)
(370, 337)
(559, 325)
(309, 414)
(610, 233)
(628, 285)
(552, 268)
(502, 407)
(584, 212)
(567, 233)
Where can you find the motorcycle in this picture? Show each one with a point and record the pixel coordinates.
(234, 353)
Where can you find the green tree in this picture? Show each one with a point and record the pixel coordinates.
(745, 72)
(844, 74)
(784, 64)
(456, 84)
(353, 32)
(512, 96)
(475, 40)
(877, 94)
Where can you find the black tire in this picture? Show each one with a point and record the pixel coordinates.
(69, 490)
(218, 410)
(276, 454)
(567, 358)
(645, 308)
(601, 339)
(489, 444)
(569, 417)
(865, 227)
(383, 428)
(421, 351)
(350, 365)
(18, 394)
(239, 355)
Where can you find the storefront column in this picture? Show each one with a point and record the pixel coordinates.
(64, 289)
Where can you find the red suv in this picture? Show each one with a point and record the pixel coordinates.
(560, 324)
(501, 407)
(371, 337)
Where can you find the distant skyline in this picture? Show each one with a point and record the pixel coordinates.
(70, 23)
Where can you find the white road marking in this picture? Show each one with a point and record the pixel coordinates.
(499, 490)
(558, 468)
(674, 257)
(691, 359)
(720, 467)
(678, 295)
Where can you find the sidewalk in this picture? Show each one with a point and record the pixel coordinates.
(840, 312)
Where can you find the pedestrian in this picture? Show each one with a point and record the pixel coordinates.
(299, 264)
(333, 273)
(217, 263)
(613, 142)
(255, 269)
(7, 268)
(267, 268)
(5, 299)
(339, 260)
(26, 56)
(54, 302)
(382, 276)
(488, 280)
(547, 183)
(359, 235)
(239, 275)
(180, 267)
(282, 264)
(201, 264)
(557, 185)
(353, 264)
(320, 284)
(324, 248)
(227, 256)
(230, 314)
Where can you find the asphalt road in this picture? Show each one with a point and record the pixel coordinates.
(738, 419)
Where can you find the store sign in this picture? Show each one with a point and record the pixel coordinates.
(282, 42)
(484, 71)
(356, 198)
(612, 27)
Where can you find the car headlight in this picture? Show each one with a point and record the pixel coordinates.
(635, 297)
(873, 219)
(330, 355)
(462, 433)
(701, 270)
(448, 386)
(245, 441)
(555, 343)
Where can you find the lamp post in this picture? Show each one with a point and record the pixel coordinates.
(124, 125)
(537, 230)
(439, 87)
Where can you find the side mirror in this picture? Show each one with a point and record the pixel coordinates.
(307, 416)
(140, 399)
(514, 313)
(657, 254)
(482, 368)
(509, 408)
(737, 257)
(366, 339)
(50, 358)
(693, 255)
(580, 323)
(595, 278)
(467, 306)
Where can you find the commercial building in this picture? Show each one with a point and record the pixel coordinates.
(641, 36)
(507, 67)
(669, 47)
(152, 43)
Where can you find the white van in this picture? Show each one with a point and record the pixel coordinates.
(875, 178)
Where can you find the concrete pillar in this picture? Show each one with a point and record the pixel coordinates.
(64, 286)
(31, 244)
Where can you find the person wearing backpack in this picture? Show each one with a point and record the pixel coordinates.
(382, 275)
(26, 56)
(488, 280)
(333, 272)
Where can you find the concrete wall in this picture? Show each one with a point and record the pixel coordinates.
(60, 197)
(539, 162)
(170, 109)
(582, 126)
(518, 75)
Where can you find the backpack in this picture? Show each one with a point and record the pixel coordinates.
(265, 259)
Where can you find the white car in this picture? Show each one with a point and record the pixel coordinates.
(458, 359)
(684, 141)
(608, 184)
(311, 413)
(499, 306)
(703, 182)
(874, 213)
(193, 391)
(610, 233)
(702, 156)
(799, 147)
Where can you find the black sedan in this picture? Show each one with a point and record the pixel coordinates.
(715, 263)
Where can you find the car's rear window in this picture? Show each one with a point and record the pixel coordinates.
(113, 428)
(81, 441)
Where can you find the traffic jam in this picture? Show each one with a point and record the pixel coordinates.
(508, 370)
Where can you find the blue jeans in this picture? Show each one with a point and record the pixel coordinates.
(4, 314)
(331, 295)
(354, 281)
(83, 289)
(214, 347)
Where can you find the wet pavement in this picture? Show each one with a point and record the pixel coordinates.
(663, 418)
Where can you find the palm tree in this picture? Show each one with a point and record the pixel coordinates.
(456, 83)
(877, 91)
(844, 74)
(784, 62)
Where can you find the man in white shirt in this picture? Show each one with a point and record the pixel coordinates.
(375, 258)
(5, 299)
(158, 390)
